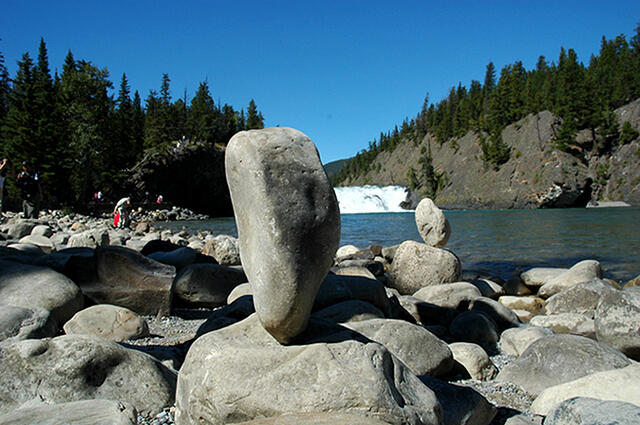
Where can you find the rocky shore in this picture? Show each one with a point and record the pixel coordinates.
(149, 326)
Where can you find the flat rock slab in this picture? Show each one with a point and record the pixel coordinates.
(288, 223)
(240, 373)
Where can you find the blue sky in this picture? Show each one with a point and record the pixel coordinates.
(340, 71)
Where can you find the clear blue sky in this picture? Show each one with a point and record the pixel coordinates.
(341, 71)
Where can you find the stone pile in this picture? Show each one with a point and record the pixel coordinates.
(299, 330)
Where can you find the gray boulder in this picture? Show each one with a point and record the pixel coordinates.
(316, 418)
(337, 288)
(288, 223)
(425, 313)
(622, 385)
(590, 411)
(582, 298)
(78, 367)
(241, 372)
(17, 323)
(42, 242)
(617, 321)
(474, 360)
(432, 224)
(21, 229)
(567, 323)
(126, 278)
(488, 288)
(84, 412)
(476, 327)
(89, 238)
(557, 359)
(461, 405)
(109, 322)
(453, 295)
(583, 271)
(417, 265)
(42, 230)
(538, 276)
(207, 285)
(515, 341)
(32, 286)
(502, 316)
(224, 249)
(415, 346)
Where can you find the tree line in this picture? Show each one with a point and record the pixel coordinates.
(81, 139)
(582, 96)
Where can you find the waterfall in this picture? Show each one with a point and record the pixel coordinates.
(370, 199)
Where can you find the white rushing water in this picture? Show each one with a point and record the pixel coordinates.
(370, 199)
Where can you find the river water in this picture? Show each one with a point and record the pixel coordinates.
(499, 242)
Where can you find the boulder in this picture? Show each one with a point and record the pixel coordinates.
(425, 313)
(17, 323)
(502, 316)
(349, 311)
(567, 323)
(96, 412)
(241, 372)
(109, 322)
(461, 405)
(417, 265)
(515, 286)
(316, 418)
(591, 411)
(583, 271)
(476, 327)
(42, 230)
(21, 229)
(538, 276)
(128, 279)
(582, 298)
(224, 249)
(457, 295)
(178, 258)
(288, 223)
(432, 224)
(89, 238)
(530, 303)
(474, 360)
(78, 367)
(618, 384)
(488, 288)
(416, 347)
(617, 321)
(515, 341)
(238, 310)
(32, 287)
(335, 289)
(557, 359)
(42, 242)
(207, 285)
(346, 251)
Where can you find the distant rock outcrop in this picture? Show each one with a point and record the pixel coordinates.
(537, 175)
(190, 176)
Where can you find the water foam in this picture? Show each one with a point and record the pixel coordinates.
(370, 199)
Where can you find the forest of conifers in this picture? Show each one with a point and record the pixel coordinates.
(583, 96)
(81, 139)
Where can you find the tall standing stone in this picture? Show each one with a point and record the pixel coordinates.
(288, 223)
(432, 224)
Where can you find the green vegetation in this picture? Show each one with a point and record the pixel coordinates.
(582, 96)
(81, 138)
(628, 133)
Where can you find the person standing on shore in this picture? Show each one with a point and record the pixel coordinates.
(123, 209)
(5, 170)
(30, 191)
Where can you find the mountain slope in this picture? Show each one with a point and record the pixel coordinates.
(536, 175)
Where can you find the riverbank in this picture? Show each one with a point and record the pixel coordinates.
(470, 338)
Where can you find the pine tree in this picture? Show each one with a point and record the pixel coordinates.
(202, 115)
(5, 88)
(254, 117)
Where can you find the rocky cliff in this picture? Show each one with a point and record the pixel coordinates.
(190, 176)
(537, 174)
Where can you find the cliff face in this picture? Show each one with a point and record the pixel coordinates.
(536, 176)
(192, 176)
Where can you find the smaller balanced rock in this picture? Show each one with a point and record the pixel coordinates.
(288, 223)
(432, 224)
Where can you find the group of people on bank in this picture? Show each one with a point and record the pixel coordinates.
(28, 184)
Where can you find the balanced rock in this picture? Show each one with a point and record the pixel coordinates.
(109, 322)
(417, 265)
(432, 224)
(557, 359)
(78, 367)
(241, 372)
(288, 223)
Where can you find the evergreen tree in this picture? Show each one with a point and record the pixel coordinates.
(254, 117)
(202, 115)
(5, 88)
